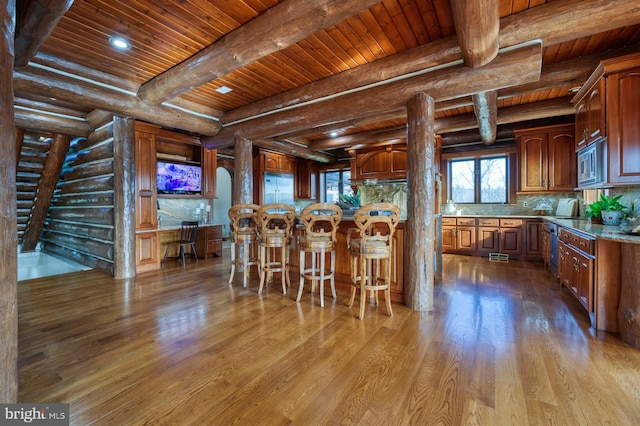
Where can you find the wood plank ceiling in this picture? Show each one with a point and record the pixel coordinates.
(277, 55)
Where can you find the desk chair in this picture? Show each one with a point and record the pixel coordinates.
(188, 232)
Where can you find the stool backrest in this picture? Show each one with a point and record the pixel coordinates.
(275, 218)
(188, 230)
(377, 221)
(243, 219)
(321, 220)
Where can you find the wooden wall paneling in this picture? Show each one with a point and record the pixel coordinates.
(209, 172)
(146, 191)
(94, 210)
(608, 271)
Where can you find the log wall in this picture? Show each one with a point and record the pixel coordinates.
(80, 222)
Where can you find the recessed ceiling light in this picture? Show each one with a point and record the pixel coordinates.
(224, 90)
(119, 43)
(333, 134)
(575, 89)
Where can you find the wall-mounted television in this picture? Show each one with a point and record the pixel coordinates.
(178, 178)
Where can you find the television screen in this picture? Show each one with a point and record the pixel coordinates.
(176, 178)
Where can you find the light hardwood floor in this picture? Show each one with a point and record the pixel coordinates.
(504, 345)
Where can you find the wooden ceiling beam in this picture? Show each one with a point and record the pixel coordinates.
(477, 26)
(42, 121)
(292, 149)
(34, 25)
(83, 93)
(509, 68)
(278, 28)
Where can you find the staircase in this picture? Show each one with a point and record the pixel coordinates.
(29, 171)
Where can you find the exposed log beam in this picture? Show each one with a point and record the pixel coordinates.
(35, 25)
(509, 68)
(515, 29)
(281, 26)
(357, 138)
(477, 26)
(44, 121)
(46, 187)
(295, 150)
(19, 140)
(124, 104)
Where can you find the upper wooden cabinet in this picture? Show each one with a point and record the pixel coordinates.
(209, 172)
(307, 179)
(610, 96)
(547, 159)
(590, 124)
(146, 192)
(278, 163)
(386, 162)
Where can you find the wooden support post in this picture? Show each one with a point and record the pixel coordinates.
(8, 212)
(124, 134)
(420, 229)
(46, 187)
(19, 140)
(243, 183)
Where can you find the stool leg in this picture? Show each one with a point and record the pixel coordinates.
(387, 290)
(363, 281)
(263, 273)
(233, 260)
(321, 281)
(284, 270)
(302, 261)
(333, 273)
(353, 268)
(245, 263)
(166, 253)
(182, 254)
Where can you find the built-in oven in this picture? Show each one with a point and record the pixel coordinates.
(590, 165)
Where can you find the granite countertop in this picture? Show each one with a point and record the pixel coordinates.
(174, 226)
(523, 216)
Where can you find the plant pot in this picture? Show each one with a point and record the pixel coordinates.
(612, 217)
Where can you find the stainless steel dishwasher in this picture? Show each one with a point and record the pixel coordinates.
(553, 230)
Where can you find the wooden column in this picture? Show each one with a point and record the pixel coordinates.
(46, 187)
(243, 183)
(420, 228)
(8, 212)
(124, 203)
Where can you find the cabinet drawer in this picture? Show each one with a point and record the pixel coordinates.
(488, 222)
(448, 220)
(466, 221)
(214, 247)
(214, 232)
(510, 223)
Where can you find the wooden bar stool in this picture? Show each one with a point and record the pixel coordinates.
(244, 238)
(371, 251)
(275, 224)
(315, 240)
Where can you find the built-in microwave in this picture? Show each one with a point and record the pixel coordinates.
(590, 165)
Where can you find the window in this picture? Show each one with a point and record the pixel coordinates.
(335, 182)
(479, 180)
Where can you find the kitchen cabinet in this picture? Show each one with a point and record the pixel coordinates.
(274, 178)
(499, 235)
(617, 83)
(307, 179)
(547, 159)
(147, 255)
(278, 163)
(209, 172)
(534, 243)
(545, 237)
(590, 117)
(576, 266)
(214, 241)
(459, 235)
(386, 162)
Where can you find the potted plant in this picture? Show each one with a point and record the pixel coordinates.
(608, 208)
(349, 202)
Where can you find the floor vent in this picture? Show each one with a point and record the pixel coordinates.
(498, 257)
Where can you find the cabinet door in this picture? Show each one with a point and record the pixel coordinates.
(209, 172)
(511, 241)
(595, 113)
(546, 246)
(147, 255)
(562, 263)
(466, 239)
(623, 112)
(286, 165)
(146, 191)
(448, 238)
(585, 284)
(562, 162)
(582, 118)
(488, 240)
(534, 243)
(533, 162)
(271, 163)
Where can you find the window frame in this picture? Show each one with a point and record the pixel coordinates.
(323, 181)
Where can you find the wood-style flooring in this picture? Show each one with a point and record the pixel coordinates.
(504, 345)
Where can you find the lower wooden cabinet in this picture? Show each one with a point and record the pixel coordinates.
(213, 241)
(576, 266)
(147, 256)
(459, 235)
